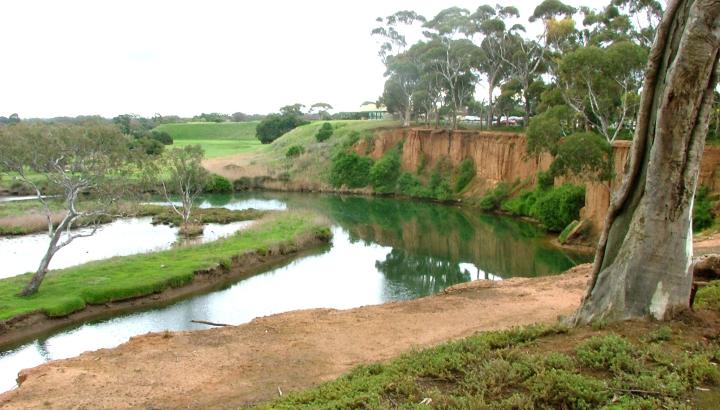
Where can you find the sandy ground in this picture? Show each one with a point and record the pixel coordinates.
(707, 244)
(237, 366)
(236, 166)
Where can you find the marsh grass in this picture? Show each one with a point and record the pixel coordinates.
(68, 290)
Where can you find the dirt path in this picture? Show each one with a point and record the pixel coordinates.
(237, 366)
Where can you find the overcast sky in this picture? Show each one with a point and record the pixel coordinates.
(67, 58)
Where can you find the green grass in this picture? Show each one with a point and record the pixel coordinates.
(314, 163)
(658, 366)
(68, 290)
(217, 139)
(17, 208)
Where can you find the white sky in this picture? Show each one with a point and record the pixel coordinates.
(68, 58)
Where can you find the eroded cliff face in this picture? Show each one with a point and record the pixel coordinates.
(597, 194)
(498, 156)
(502, 157)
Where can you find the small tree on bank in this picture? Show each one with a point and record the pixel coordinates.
(185, 177)
(70, 161)
(643, 259)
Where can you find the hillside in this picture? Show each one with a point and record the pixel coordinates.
(218, 139)
(309, 170)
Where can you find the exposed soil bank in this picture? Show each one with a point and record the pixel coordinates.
(237, 366)
(498, 157)
(21, 328)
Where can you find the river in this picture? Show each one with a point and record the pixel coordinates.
(382, 250)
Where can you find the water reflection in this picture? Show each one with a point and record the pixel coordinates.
(420, 275)
(21, 254)
(382, 250)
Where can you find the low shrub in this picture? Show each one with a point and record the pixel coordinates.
(610, 352)
(385, 172)
(563, 389)
(495, 197)
(465, 173)
(521, 205)
(218, 185)
(162, 137)
(324, 133)
(439, 186)
(351, 170)
(557, 207)
(294, 151)
(703, 216)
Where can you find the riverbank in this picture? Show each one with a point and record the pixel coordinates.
(237, 366)
(247, 365)
(27, 216)
(126, 283)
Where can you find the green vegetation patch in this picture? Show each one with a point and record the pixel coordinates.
(351, 170)
(530, 367)
(708, 297)
(166, 216)
(68, 290)
(703, 213)
(554, 207)
(216, 139)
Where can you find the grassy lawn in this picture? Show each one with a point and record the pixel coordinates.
(627, 365)
(217, 139)
(68, 290)
(221, 148)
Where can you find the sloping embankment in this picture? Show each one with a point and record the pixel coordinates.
(237, 366)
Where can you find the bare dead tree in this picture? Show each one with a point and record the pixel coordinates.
(69, 161)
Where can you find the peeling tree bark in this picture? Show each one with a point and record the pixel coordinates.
(642, 263)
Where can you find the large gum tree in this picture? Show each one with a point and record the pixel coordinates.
(643, 262)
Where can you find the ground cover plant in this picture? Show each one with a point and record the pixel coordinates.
(636, 365)
(68, 290)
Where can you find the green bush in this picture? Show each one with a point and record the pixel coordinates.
(218, 185)
(275, 125)
(439, 187)
(351, 170)
(559, 206)
(521, 205)
(162, 137)
(495, 197)
(465, 174)
(324, 133)
(703, 216)
(294, 151)
(385, 172)
(545, 180)
(147, 145)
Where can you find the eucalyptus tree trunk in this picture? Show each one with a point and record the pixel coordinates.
(642, 264)
(34, 285)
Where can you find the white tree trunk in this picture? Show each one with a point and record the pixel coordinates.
(642, 262)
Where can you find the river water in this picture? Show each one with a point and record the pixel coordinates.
(382, 250)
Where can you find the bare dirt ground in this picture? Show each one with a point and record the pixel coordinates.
(707, 244)
(238, 366)
(236, 166)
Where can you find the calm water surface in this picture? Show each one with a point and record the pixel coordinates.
(382, 250)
